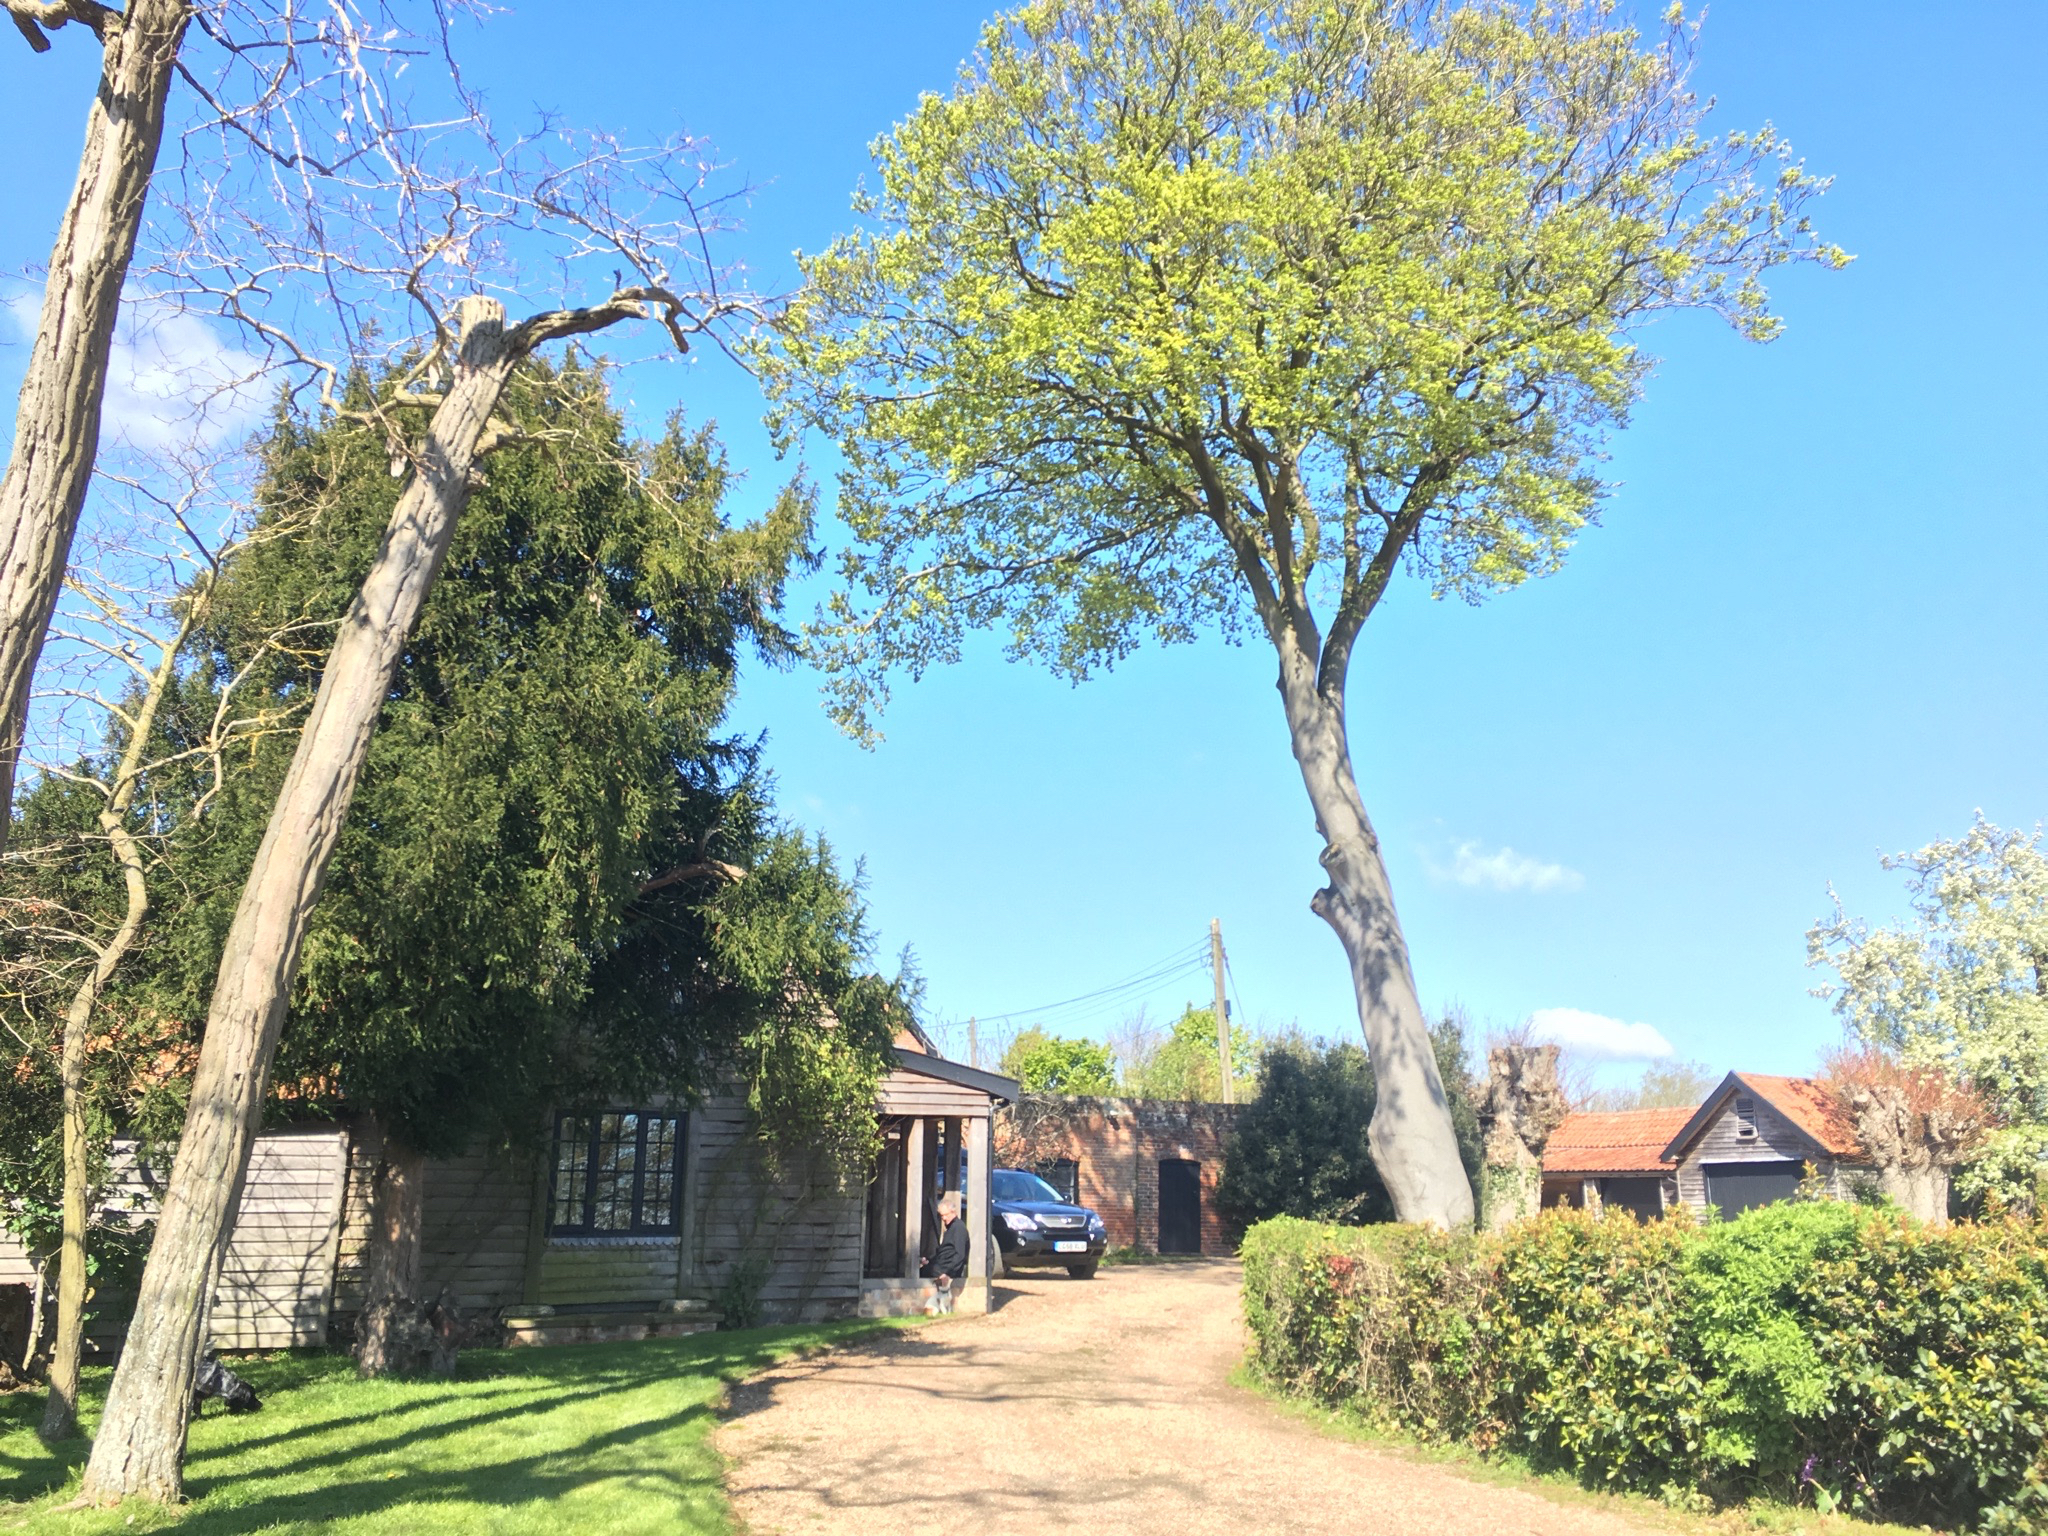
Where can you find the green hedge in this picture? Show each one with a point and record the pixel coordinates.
(1815, 1351)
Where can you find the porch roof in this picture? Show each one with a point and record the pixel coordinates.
(999, 1088)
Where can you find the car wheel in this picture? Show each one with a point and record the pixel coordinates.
(995, 1259)
(1083, 1271)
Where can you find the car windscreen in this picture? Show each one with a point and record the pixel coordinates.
(1025, 1188)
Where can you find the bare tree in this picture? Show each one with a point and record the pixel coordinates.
(131, 616)
(382, 291)
(274, 79)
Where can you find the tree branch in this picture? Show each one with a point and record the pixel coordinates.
(703, 869)
(32, 17)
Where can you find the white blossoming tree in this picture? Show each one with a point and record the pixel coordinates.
(1963, 986)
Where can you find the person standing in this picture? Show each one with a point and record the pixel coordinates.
(948, 1264)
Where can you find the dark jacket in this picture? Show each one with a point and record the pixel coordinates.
(951, 1257)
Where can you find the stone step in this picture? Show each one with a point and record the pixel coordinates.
(551, 1325)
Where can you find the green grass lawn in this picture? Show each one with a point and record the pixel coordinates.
(612, 1438)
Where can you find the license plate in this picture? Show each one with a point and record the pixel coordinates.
(1070, 1247)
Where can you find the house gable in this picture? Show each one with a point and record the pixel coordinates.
(1788, 1120)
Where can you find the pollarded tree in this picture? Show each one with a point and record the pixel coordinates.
(1203, 314)
(1916, 1123)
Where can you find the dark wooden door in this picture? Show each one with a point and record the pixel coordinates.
(1180, 1206)
(1738, 1187)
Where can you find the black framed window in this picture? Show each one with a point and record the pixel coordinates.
(617, 1174)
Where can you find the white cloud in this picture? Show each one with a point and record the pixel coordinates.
(1595, 1036)
(172, 379)
(1503, 870)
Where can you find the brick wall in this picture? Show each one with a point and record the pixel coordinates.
(1117, 1146)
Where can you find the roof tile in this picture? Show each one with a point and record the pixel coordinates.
(1617, 1141)
(1810, 1107)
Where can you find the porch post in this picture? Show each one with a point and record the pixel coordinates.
(916, 1190)
(948, 1180)
(980, 1155)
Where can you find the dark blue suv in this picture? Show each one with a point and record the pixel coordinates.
(1036, 1229)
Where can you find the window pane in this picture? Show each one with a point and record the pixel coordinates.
(572, 1168)
(658, 1182)
(617, 1149)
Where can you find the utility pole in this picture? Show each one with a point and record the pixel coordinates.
(1222, 1009)
(973, 1044)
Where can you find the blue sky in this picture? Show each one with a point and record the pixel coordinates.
(1811, 628)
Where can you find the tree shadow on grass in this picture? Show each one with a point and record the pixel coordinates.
(412, 1498)
(318, 1424)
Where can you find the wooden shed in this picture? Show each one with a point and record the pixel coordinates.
(1753, 1139)
(1750, 1143)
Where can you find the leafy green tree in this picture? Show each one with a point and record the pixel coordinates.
(1186, 315)
(1299, 1147)
(560, 882)
(1183, 1065)
(547, 772)
(1962, 987)
(1044, 1063)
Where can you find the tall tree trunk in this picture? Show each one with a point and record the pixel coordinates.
(141, 1442)
(1921, 1189)
(1413, 1142)
(57, 425)
(60, 1412)
(391, 1267)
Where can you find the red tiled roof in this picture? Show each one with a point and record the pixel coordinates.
(1619, 1141)
(1810, 1107)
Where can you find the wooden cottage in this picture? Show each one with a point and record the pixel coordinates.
(635, 1222)
(1750, 1143)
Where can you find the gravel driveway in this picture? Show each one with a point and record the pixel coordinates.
(1097, 1405)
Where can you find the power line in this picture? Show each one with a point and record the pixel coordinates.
(1148, 980)
(1237, 995)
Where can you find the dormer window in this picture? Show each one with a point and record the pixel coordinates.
(1745, 1119)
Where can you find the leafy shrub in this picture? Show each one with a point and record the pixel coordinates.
(1806, 1350)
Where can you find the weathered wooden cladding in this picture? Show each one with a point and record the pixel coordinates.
(16, 1267)
(1777, 1139)
(276, 1287)
(797, 1222)
(474, 1227)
